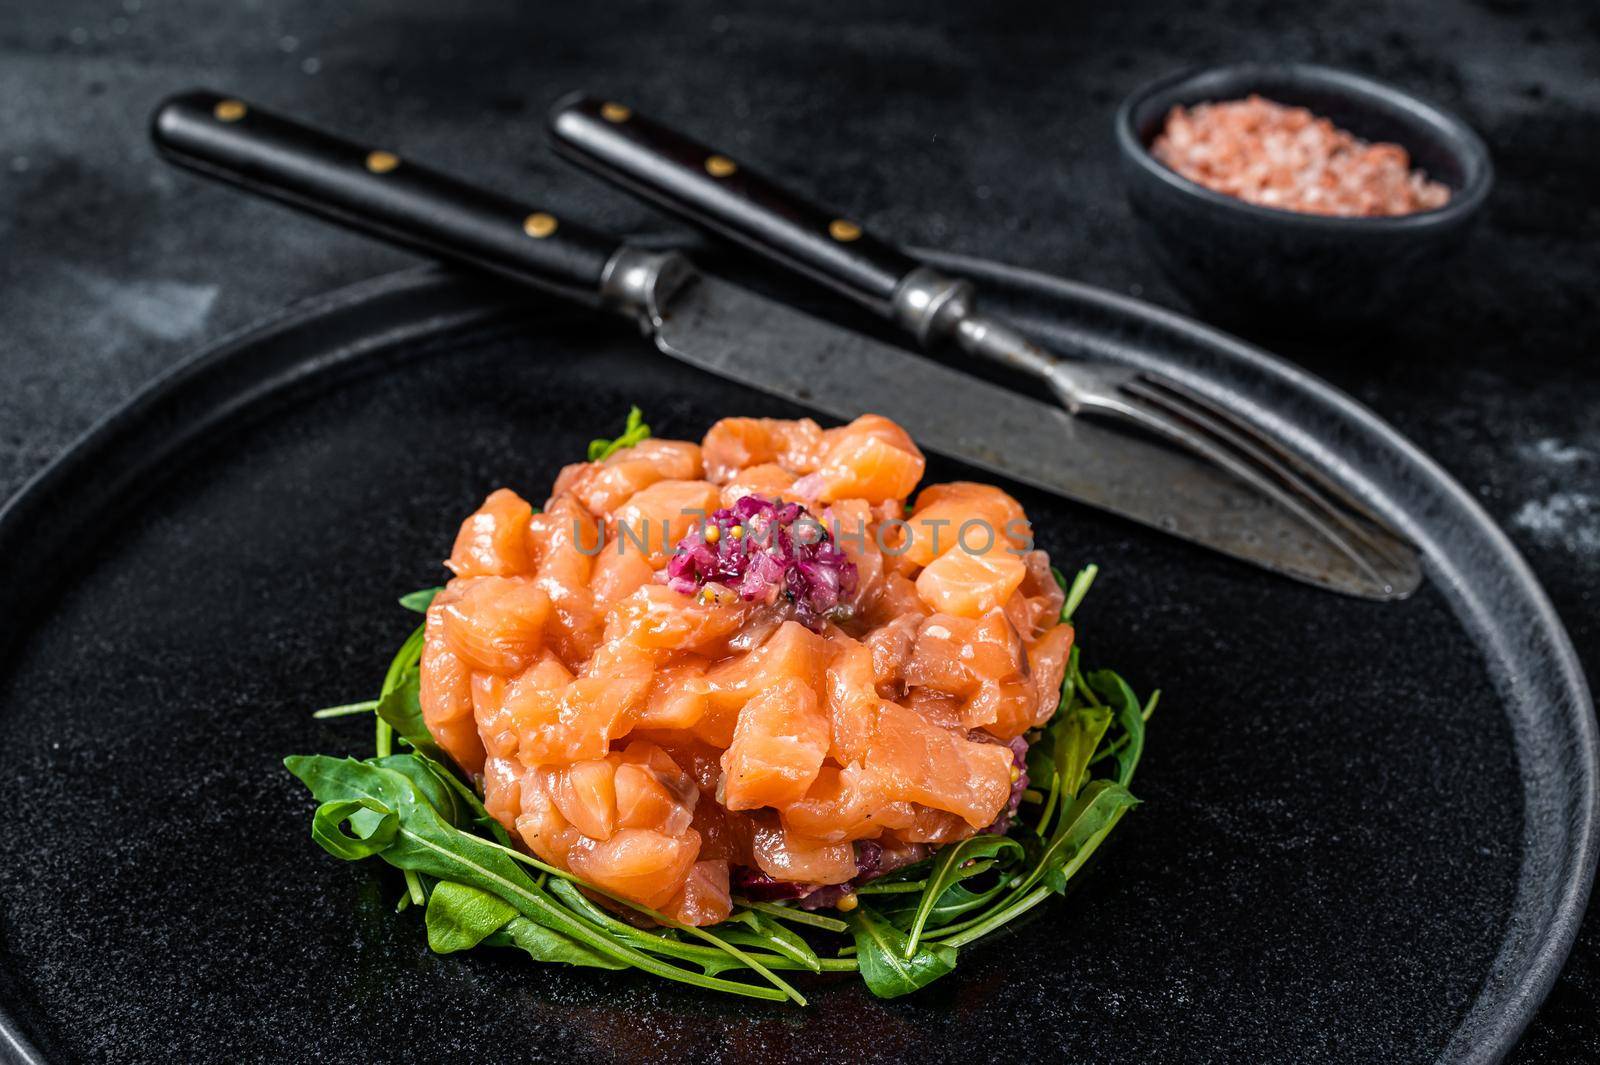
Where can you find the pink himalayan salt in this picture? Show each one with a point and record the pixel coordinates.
(1274, 155)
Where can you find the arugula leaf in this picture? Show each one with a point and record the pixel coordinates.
(424, 843)
(885, 966)
(947, 871)
(766, 933)
(633, 431)
(367, 835)
(1130, 718)
(1079, 589)
(401, 709)
(419, 600)
(461, 917)
(545, 944)
(425, 776)
(1083, 826)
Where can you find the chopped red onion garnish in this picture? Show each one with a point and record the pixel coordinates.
(768, 552)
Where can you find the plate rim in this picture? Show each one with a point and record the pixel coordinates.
(1504, 1004)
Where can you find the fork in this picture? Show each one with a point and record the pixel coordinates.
(714, 190)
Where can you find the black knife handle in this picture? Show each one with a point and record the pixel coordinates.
(718, 191)
(377, 192)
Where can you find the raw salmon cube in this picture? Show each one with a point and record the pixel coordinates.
(977, 518)
(586, 795)
(768, 480)
(784, 856)
(704, 898)
(736, 444)
(493, 542)
(851, 699)
(657, 518)
(646, 866)
(871, 459)
(916, 760)
(970, 586)
(844, 804)
(495, 624)
(778, 746)
(447, 694)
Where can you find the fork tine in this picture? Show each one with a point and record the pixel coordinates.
(1264, 440)
(1277, 462)
(1163, 424)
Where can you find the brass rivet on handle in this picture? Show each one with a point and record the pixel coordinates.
(843, 230)
(539, 225)
(720, 166)
(229, 110)
(613, 112)
(381, 162)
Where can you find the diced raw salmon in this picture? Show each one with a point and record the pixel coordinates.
(704, 898)
(495, 624)
(926, 764)
(493, 542)
(586, 795)
(568, 540)
(497, 729)
(1047, 660)
(792, 651)
(933, 826)
(446, 683)
(891, 646)
(641, 864)
(617, 575)
(657, 617)
(502, 791)
(871, 458)
(540, 824)
(736, 444)
(976, 518)
(657, 518)
(768, 480)
(851, 524)
(955, 655)
(778, 745)
(678, 696)
(784, 856)
(1036, 604)
(602, 487)
(851, 699)
(651, 741)
(970, 586)
(842, 805)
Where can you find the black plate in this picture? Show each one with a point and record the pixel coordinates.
(1368, 829)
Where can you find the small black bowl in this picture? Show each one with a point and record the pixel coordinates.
(1276, 268)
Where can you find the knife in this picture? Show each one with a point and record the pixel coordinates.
(725, 330)
(937, 311)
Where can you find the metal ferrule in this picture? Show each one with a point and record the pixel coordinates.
(936, 308)
(640, 284)
(929, 305)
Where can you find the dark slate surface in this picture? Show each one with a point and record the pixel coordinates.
(984, 130)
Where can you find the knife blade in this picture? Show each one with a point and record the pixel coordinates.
(937, 310)
(723, 329)
(741, 336)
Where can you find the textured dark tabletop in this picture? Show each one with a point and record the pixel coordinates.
(983, 129)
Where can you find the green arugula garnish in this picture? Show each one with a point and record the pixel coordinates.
(633, 431)
(905, 929)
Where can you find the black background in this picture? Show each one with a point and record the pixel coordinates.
(981, 128)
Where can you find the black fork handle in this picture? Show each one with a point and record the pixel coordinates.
(376, 191)
(717, 191)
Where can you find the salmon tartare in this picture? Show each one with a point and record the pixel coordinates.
(759, 681)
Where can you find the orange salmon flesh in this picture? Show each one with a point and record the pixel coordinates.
(657, 742)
